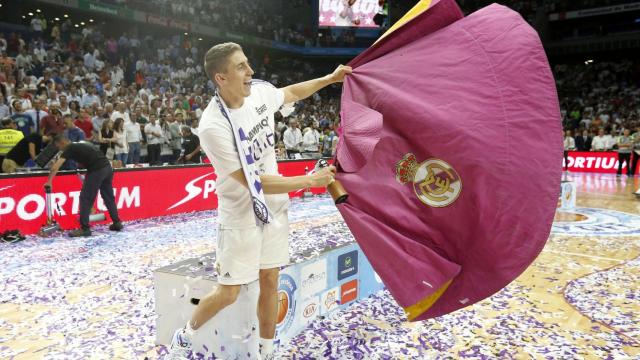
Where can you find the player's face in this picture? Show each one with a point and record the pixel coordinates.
(238, 76)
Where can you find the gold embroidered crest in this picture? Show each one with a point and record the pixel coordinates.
(435, 182)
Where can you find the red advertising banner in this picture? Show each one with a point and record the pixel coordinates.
(595, 162)
(140, 193)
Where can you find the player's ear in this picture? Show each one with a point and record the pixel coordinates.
(219, 78)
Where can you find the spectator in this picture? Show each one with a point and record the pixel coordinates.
(583, 142)
(194, 126)
(281, 152)
(74, 95)
(600, 142)
(154, 140)
(569, 145)
(64, 105)
(173, 136)
(292, 139)
(120, 140)
(610, 140)
(329, 142)
(97, 122)
(311, 141)
(36, 26)
(106, 139)
(191, 146)
(134, 138)
(36, 114)
(121, 112)
(625, 145)
(71, 131)
(9, 137)
(23, 121)
(26, 149)
(90, 98)
(5, 111)
(52, 124)
(85, 124)
(636, 151)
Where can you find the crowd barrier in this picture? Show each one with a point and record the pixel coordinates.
(596, 162)
(140, 193)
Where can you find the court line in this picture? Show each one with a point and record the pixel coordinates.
(583, 255)
(633, 341)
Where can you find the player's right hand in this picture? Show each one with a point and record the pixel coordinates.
(323, 177)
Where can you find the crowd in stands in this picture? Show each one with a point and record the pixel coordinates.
(274, 22)
(252, 17)
(600, 106)
(242, 16)
(61, 78)
(136, 97)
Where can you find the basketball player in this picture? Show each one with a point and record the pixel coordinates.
(237, 133)
(346, 16)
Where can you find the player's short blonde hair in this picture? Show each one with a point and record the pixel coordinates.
(215, 60)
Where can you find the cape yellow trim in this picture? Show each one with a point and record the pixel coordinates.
(423, 305)
(418, 9)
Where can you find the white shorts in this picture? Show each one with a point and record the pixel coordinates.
(241, 253)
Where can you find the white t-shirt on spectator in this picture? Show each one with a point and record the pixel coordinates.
(23, 61)
(599, 143)
(311, 141)
(117, 114)
(116, 75)
(40, 54)
(255, 117)
(152, 139)
(569, 143)
(66, 111)
(292, 138)
(610, 141)
(133, 131)
(122, 143)
(99, 64)
(88, 100)
(89, 61)
(77, 98)
(25, 102)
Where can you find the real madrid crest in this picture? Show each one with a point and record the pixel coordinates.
(434, 181)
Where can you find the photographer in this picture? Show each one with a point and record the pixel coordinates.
(190, 146)
(99, 178)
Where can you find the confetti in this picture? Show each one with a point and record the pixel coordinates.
(64, 298)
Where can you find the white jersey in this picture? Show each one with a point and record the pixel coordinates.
(255, 117)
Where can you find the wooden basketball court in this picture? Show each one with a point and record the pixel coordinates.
(580, 298)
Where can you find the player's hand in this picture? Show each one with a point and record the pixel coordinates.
(323, 177)
(329, 169)
(47, 184)
(340, 72)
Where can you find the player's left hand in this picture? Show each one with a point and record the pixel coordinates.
(340, 72)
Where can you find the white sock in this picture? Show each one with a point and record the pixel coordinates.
(266, 346)
(188, 330)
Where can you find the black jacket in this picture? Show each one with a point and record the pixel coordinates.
(582, 144)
